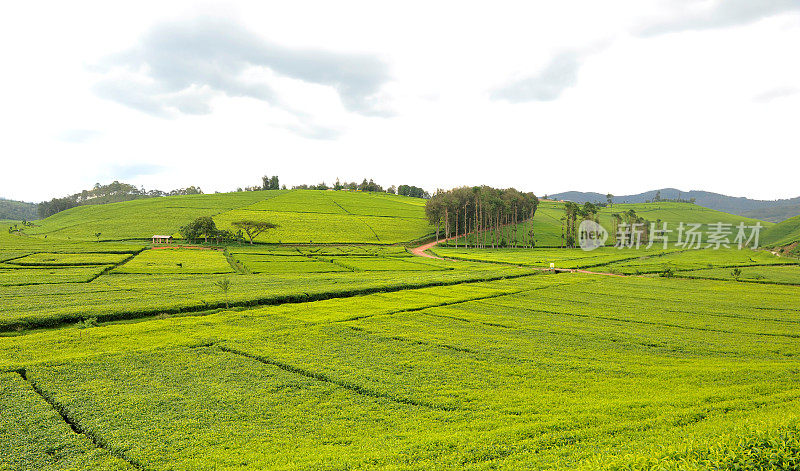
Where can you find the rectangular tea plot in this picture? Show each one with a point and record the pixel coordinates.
(259, 263)
(177, 261)
(69, 259)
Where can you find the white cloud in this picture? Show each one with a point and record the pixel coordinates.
(718, 14)
(776, 93)
(180, 66)
(548, 84)
(270, 88)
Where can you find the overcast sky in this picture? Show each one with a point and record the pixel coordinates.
(613, 96)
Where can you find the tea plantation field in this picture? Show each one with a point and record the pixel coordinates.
(571, 371)
(302, 216)
(358, 354)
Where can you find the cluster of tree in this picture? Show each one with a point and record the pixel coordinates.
(632, 220)
(492, 215)
(270, 183)
(204, 227)
(267, 183)
(363, 186)
(112, 193)
(413, 191)
(575, 213)
(318, 186)
(55, 205)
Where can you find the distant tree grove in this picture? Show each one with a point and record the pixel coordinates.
(492, 215)
(622, 225)
(270, 183)
(413, 191)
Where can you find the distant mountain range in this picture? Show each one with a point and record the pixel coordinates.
(766, 210)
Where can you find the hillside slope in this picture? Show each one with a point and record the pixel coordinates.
(303, 216)
(784, 233)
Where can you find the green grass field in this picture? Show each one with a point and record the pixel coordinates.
(358, 354)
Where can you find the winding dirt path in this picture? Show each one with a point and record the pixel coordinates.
(421, 251)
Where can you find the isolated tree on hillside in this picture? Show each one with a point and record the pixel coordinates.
(253, 228)
(610, 200)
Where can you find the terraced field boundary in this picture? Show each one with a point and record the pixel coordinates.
(112, 267)
(15, 257)
(104, 271)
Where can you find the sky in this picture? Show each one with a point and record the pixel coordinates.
(619, 96)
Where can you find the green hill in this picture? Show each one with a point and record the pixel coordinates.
(784, 233)
(303, 216)
(314, 216)
(547, 221)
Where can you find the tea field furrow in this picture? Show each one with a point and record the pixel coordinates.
(34, 436)
(354, 387)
